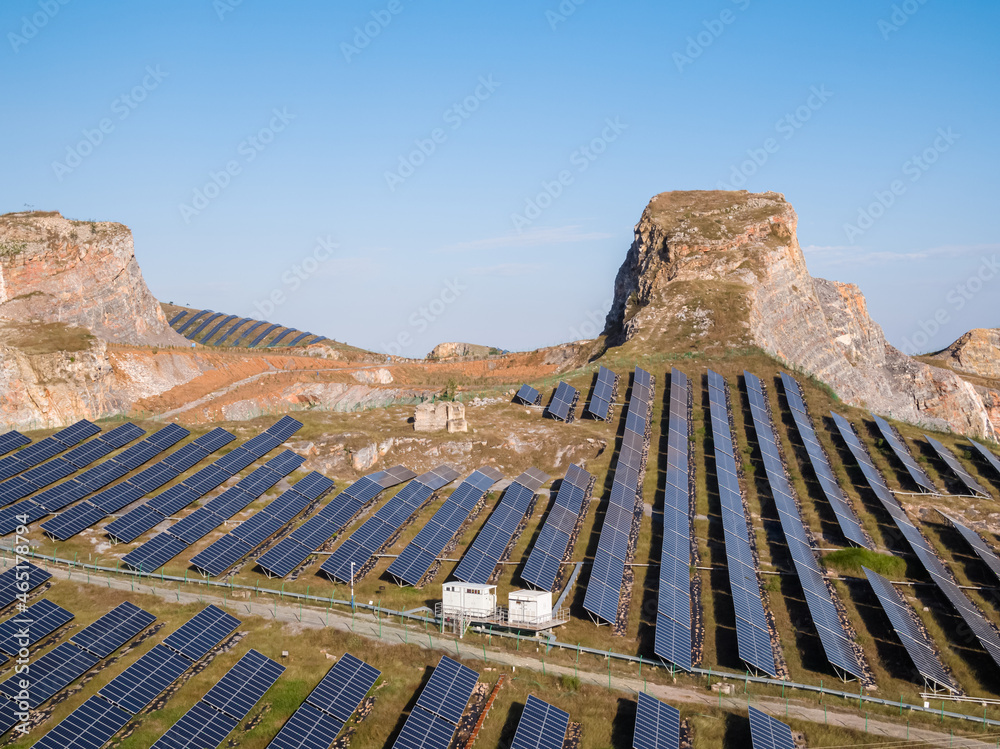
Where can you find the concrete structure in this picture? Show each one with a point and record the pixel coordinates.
(443, 415)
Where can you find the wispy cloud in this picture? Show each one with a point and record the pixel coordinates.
(506, 269)
(853, 255)
(534, 237)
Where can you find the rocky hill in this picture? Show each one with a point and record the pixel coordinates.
(977, 353)
(716, 271)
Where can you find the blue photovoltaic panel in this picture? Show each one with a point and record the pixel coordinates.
(448, 691)
(201, 727)
(231, 330)
(970, 613)
(823, 606)
(278, 338)
(90, 726)
(308, 728)
(267, 331)
(177, 318)
(899, 447)
(202, 632)
(29, 626)
(284, 428)
(75, 520)
(136, 522)
(155, 553)
(76, 433)
(982, 549)
(768, 733)
(956, 468)
(988, 456)
(9, 717)
(19, 579)
(424, 731)
(672, 640)
(12, 441)
(914, 639)
(752, 631)
(543, 564)
(603, 395)
(343, 688)
(248, 331)
(191, 320)
(221, 554)
(113, 630)
(244, 685)
(657, 725)
(529, 396)
(563, 402)
(52, 672)
(139, 684)
(481, 559)
(298, 338)
(542, 726)
(202, 325)
(208, 336)
(317, 339)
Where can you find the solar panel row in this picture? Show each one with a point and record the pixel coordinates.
(349, 560)
(603, 595)
(222, 554)
(672, 640)
(434, 719)
(657, 725)
(419, 556)
(542, 567)
(820, 462)
(190, 321)
(823, 607)
(542, 726)
(295, 548)
(79, 517)
(769, 733)
(902, 452)
(203, 324)
(753, 635)
(11, 441)
(491, 542)
(150, 514)
(563, 403)
(528, 396)
(30, 626)
(264, 334)
(214, 331)
(19, 580)
(192, 528)
(956, 468)
(328, 707)
(983, 630)
(604, 395)
(232, 329)
(982, 549)
(988, 456)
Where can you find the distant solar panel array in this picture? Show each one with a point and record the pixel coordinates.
(419, 556)
(434, 719)
(657, 725)
(318, 720)
(486, 551)
(827, 617)
(672, 639)
(956, 468)
(528, 396)
(820, 461)
(542, 567)
(902, 452)
(229, 325)
(753, 634)
(913, 638)
(603, 596)
(150, 514)
(223, 553)
(98, 719)
(216, 715)
(604, 396)
(542, 726)
(563, 403)
(190, 529)
(86, 514)
(297, 546)
(93, 479)
(350, 560)
(983, 630)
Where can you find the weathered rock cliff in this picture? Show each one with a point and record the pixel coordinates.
(720, 270)
(977, 352)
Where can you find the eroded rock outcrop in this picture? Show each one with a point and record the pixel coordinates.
(722, 270)
(977, 352)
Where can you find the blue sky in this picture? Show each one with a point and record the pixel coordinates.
(373, 165)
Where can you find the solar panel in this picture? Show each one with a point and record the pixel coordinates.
(982, 549)
(9, 716)
(529, 396)
(76, 433)
(822, 604)
(308, 728)
(657, 725)
(542, 726)
(139, 684)
(248, 331)
(424, 731)
(19, 580)
(278, 338)
(481, 559)
(202, 325)
(210, 334)
(202, 632)
(563, 404)
(988, 456)
(282, 559)
(11, 441)
(244, 685)
(605, 392)
(913, 638)
(28, 627)
(232, 329)
(50, 673)
(549, 551)
(448, 691)
(284, 428)
(155, 553)
(266, 332)
(767, 732)
(114, 629)
(177, 318)
(919, 476)
(956, 468)
(341, 691)
(191, 320)
(752, 631)
(201, 727)
(90, 726)
(298, 338)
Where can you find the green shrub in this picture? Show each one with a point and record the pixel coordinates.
(852, 560)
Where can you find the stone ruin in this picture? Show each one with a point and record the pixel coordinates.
(443, 415)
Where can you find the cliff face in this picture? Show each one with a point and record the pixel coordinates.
(977, 352)
(78, 273)
(721, 270)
